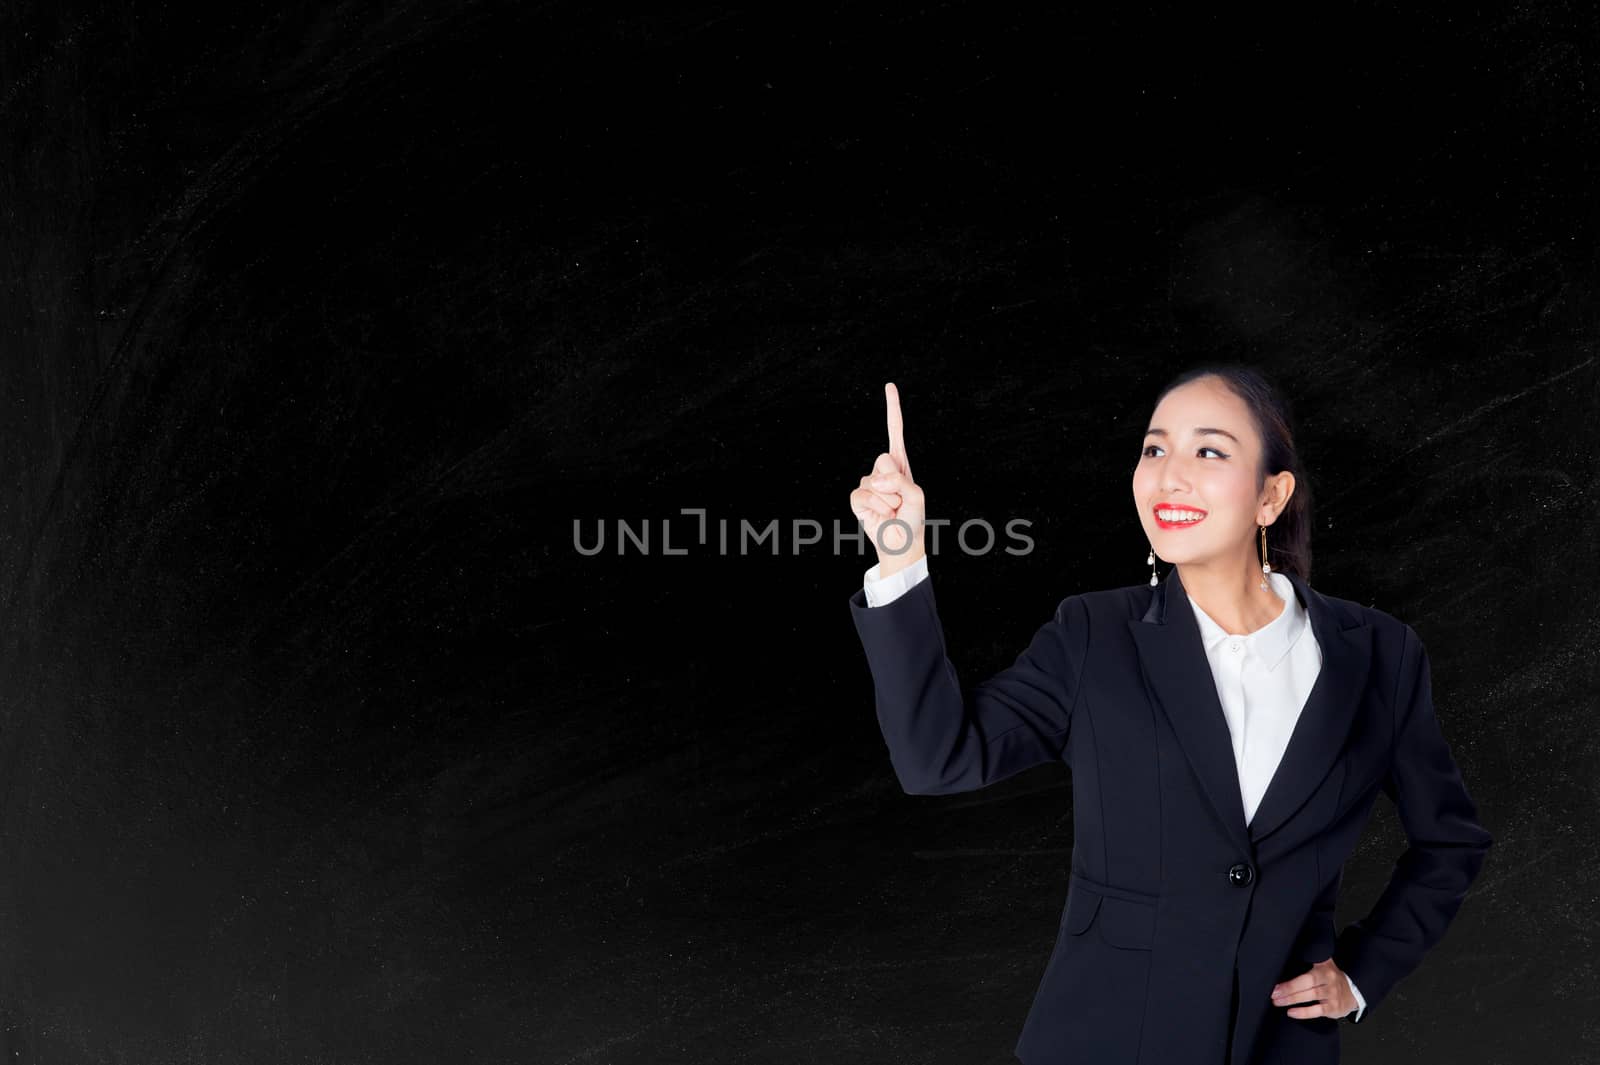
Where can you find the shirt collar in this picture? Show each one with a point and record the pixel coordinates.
(1270, 642)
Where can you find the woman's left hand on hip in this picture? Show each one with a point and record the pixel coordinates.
(1323, 988)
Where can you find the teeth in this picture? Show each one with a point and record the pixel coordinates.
(1178, 515)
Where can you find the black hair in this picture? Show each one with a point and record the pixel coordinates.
(1289, 535)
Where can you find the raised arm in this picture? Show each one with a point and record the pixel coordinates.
(944, 737)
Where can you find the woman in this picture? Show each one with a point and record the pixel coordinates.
(1227, 731)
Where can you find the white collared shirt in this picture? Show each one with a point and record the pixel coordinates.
(1262, 677)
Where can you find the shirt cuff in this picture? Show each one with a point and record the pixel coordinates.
(1361, 1003)
(882, 591)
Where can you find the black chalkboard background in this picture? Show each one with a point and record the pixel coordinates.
(321, 741)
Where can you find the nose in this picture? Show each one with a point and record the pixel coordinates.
(1173, 477)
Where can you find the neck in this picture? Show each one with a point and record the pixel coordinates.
(1230, 593)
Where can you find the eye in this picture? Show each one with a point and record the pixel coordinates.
(1151, 447)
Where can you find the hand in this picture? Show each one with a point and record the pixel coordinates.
(1323, 986)
(888, 492)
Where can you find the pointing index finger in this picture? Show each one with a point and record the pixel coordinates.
(897, 432)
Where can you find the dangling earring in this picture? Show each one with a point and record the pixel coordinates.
(1151, 562)
(1266, 567)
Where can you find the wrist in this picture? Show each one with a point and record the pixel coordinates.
(892, 564)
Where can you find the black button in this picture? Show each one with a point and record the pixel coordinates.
(1241, 874)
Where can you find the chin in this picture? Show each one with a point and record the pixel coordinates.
(1180, 553)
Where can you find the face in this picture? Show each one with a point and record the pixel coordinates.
(1201, 455)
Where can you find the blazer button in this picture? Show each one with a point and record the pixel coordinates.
(1241, 874)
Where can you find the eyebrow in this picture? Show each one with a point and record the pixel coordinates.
(1202, 431)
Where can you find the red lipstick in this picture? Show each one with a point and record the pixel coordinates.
(1161, 524)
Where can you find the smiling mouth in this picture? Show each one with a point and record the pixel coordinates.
(1169, 517)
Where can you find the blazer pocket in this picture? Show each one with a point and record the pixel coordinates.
(1081, 907)
(1123, 922)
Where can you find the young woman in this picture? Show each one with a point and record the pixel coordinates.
(1227, 730)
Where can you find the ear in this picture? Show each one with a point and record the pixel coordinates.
(1280, 487)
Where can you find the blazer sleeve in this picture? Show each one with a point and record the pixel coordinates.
(943, 737)
(1446, 844)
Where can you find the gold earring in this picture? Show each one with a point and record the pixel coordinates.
(1266, 567)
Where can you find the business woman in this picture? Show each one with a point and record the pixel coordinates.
(1227, 730)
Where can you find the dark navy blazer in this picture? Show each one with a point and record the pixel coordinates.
(1179, 917)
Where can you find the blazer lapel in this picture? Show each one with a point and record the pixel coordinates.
(1179, 674)
(1174, 663)
(1319, 734)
